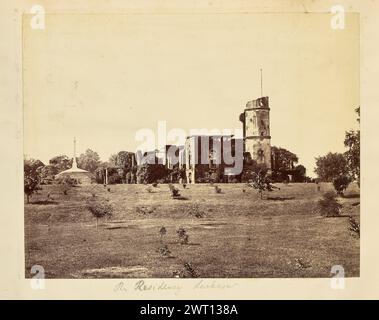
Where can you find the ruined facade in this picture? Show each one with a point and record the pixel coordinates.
(212, 158)
(221, 157)
(256, 144)
(174, 156)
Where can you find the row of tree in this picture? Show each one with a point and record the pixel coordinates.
(122, 168)
(285, 167)
(334, 167)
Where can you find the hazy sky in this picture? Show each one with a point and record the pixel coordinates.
(103, 77)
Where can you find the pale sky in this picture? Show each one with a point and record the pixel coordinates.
(102, 77)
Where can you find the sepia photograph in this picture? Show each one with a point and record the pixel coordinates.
(191, 145)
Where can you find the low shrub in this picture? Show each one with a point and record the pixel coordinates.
(66, 183)
(329, 205)
(144, 210)
(354, 226)
(217, 189)
(100, 209)
(67, 180)
(191, 270)
(175, 193)
(188, 271)
(194, 210)
(164, 251)
(300, 263)
(261, 182)
(162, 231)
(183, 236)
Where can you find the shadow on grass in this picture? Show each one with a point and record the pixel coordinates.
(211, 224)
(182, 244)
(193, 244)
(118, 227)
(44, 202)
(337, 216)
(280, 198)
(181, 198)
(351, 196)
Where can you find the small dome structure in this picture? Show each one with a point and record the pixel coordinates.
(83, 177)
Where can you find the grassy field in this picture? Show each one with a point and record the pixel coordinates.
(239, 235)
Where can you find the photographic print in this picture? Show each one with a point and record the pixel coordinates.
(191, 145)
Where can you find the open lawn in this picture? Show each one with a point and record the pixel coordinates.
(239, 235)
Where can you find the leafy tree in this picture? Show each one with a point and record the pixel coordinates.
(66, 183)
(341, 183)
(31, 177)
(61, 163)
(113, 176)
(331, 166)
(89, 161)
(284, 164)
(250, 168)
(149, 173)
(47, 173)
(100, 171)
(299, 173)
(352, 142)
(125, 159)
(112, 160)
(283, 160)
(100, 209)
(175, 174)
(261, 182)
(278, 176)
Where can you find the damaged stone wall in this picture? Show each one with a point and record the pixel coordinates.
(256, 128)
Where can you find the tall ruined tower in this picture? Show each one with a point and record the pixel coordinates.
(256, 131)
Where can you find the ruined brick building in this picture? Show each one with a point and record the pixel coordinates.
(211, 158)
(205, 156)
(218, 158)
